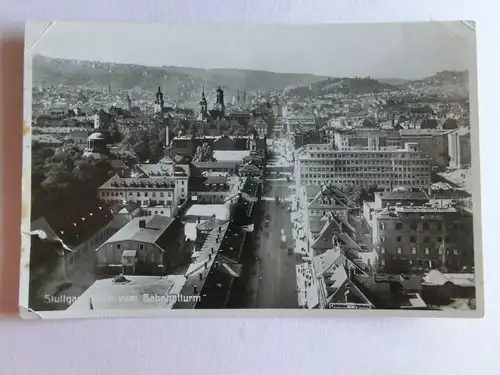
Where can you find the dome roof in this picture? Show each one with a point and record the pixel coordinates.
(96, 136)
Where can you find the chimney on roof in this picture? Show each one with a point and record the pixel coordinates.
(210, 256)
(198, 220)
(200, 275)
(142, 223)
(206, 265)
(195, 289)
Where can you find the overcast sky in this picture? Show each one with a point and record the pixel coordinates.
(409, 50)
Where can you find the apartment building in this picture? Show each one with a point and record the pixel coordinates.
(432, 142)
(435, 235)
(158, 192)
(459, 148)
(322, 164)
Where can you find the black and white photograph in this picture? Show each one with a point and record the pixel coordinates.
(246, 167)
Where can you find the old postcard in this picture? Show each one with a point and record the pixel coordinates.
(308, 170)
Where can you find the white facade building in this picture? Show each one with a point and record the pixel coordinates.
(321, 164)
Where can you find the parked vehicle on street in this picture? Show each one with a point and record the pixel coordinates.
(283, 241)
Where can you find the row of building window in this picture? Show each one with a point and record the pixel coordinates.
(144, 203)
(427, 251)
(378, 181)
(364, 175)
(119, 246)
(138, 194)
(415, 226)
(385, 155)
(413, 239)
(372, 162)
(365, 169)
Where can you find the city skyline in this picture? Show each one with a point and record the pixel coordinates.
(323, 195)
(381, 51)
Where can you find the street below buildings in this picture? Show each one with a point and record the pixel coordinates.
(269, 279)
(276, 266)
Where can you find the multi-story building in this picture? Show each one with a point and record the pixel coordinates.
(328, 199)
(385, 199)
(214, 189)
(322, 164)
(435, 235)
(297, 122)
(365, 139)
(178, 173)
(432, 142)
(459, 148)
(156, 193)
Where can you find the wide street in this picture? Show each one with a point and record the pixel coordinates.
(275, 266)
(272, 282)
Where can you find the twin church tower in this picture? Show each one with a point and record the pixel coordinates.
(218, 110)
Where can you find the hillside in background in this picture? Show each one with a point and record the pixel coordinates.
(446, 82)
(342, 85)
(52, 72)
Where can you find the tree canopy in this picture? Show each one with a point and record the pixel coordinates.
(204, 153)
(146, 144)
(64, 191)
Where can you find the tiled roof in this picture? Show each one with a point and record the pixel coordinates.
(325, 238)
(199, 270)
(153, 170)
(154, 228)
(130, 182)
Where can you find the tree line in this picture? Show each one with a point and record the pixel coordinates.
(64, 192)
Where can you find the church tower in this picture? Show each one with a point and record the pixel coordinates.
(203, 105)
(129, 103)
(159, 103)
(219, 102)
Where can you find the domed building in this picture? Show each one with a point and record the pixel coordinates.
(97, 147)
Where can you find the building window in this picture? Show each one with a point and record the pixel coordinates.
(426, 239)
(382, 262)
(398, 239)
(413, 239)
(382, 226)
(440, 251)
(399, 250)
(455, 252)
(382, 238)
(138, 193)
(141, 246)
(426, 251)
(425, 225)
(399, 226)
(413, 250)
(382, 250)
(414, 226)
(118, 246)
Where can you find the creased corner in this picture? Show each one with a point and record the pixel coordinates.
(470, 24)
(26, 313)
(45, 31)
